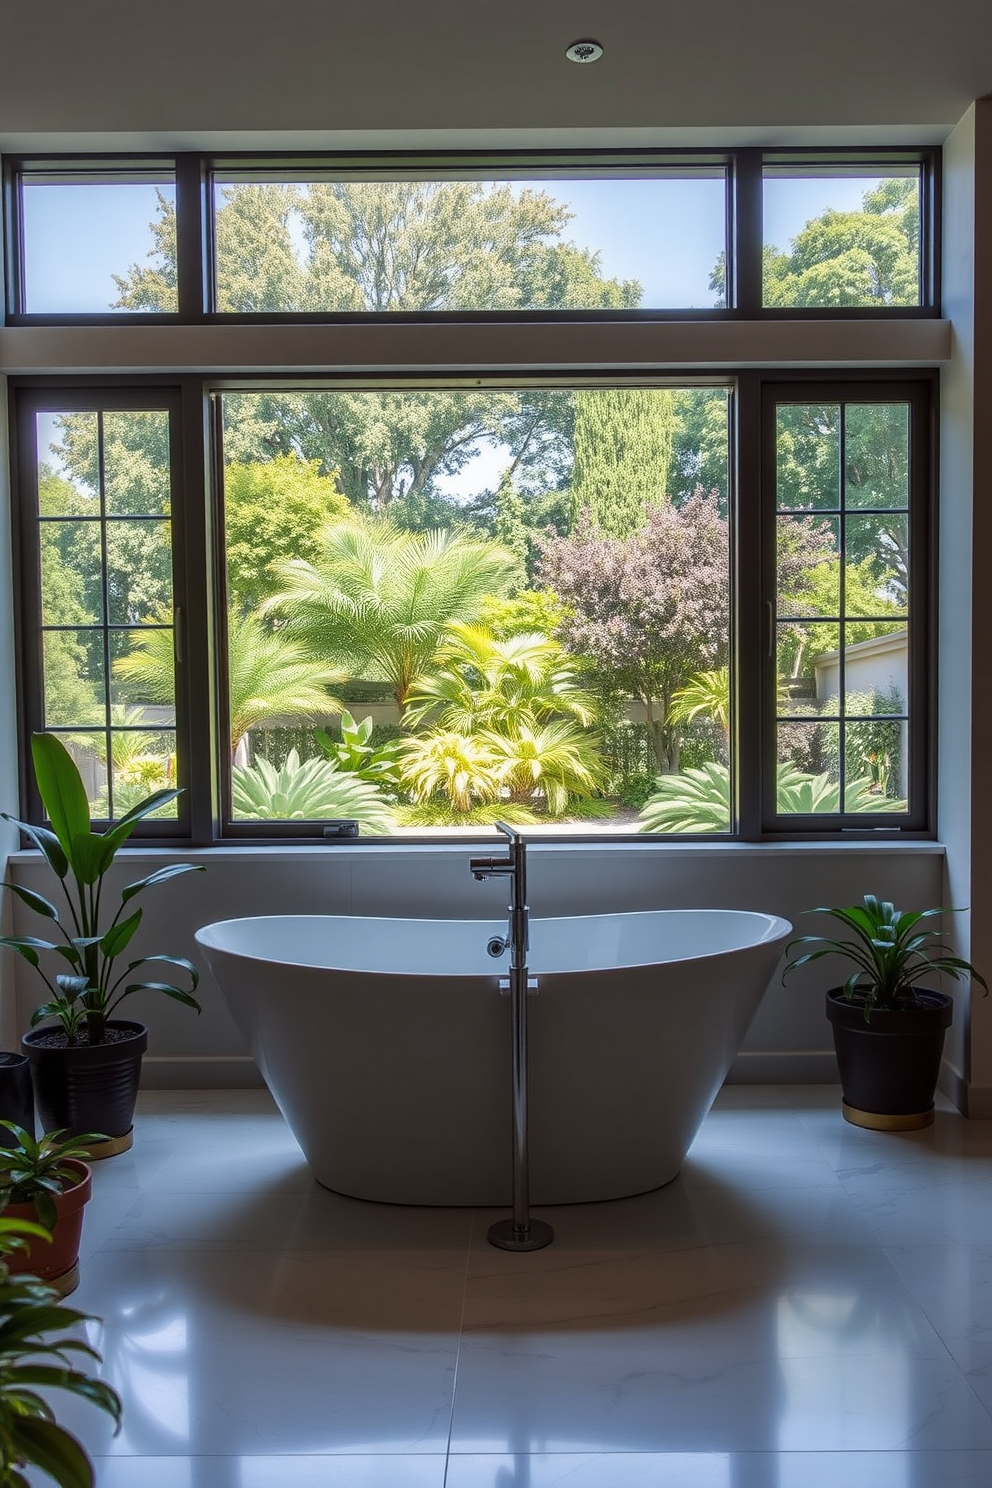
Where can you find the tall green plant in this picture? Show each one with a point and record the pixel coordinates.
(91, 990)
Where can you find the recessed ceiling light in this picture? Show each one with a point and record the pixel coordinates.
(584, 51)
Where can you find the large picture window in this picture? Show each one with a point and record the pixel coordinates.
(620, 600)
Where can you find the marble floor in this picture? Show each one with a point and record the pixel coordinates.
(807, 1306)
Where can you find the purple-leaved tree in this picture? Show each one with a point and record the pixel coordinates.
(649, 610)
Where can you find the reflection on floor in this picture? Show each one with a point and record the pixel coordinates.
(808, 1305)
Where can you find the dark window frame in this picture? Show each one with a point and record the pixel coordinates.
(194, 173)
(918, 388)
(202, 729)
(63, 396)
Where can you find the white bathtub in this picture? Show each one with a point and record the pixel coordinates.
(386, 1044)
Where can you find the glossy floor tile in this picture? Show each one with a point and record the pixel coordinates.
(807, 1305)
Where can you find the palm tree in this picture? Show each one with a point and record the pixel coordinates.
(480, 682)
(270, 675)
(379, 599)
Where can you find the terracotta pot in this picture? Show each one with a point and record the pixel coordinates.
(57, 1263)
(890, 1063)
(88, 1087)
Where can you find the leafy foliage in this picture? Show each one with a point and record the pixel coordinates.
(378, 599)
(274, 510)
(869, 257)
(33, 1169)
(80, 858)
(269, 674)
(36, 1354)
(313, 790)
(698, 800)
(354, 752)
(890, 952)
(623, 455)
(650, 610)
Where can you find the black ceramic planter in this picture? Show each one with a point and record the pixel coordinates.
(88, 1087)
(889, 1065)
(16, 1095)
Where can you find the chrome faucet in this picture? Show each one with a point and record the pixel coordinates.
(521, 1232)
(514, 867)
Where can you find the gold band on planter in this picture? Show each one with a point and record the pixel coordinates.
(876, 1122)
(66, 1283)
(111, 1147)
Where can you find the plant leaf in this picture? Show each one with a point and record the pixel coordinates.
(159, 876)
(51, 1448)
(62, 791)
(34, 901)
(118, 935)
(177, 993)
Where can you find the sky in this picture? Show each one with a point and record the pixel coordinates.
(665, 233)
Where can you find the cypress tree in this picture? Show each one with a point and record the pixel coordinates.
(623, 455)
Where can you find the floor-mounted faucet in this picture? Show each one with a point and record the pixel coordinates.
(521, 1232)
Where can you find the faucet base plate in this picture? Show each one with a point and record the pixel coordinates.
(506, 1236)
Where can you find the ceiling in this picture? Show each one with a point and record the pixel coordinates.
(236, 73)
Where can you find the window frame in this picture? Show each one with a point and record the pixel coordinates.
(60, 396)
(743, 236)
(919, 390)
(198, 564)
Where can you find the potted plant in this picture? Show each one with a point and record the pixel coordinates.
(888, 1030)
(35, 1354)
(85, 1063)
(47, 1180)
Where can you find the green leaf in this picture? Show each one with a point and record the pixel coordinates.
(46, 842)
(117, 835)
(87, 856)
(34, 901)
(50, 1447)
(118, 935)
(159, 876)
(179, 961)
(50, 1377)
(62, 791)
(176, 993)
(27, 946)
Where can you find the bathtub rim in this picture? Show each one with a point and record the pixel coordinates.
(777, 930)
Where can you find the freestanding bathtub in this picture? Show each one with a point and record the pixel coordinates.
(386, 1044)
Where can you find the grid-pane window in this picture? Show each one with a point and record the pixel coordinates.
(106, 599)
(842, 608)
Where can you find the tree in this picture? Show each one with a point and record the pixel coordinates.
(649, 611)
(870, 257)
(377, 600)
(389, 247)
(270, 676)
(623, 455)
(273, 511)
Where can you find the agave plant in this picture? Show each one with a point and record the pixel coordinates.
(890, 953)
(698, 800)
(309, 791)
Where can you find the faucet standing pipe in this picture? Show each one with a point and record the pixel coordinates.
(521, 1232)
